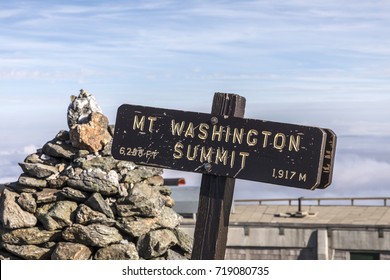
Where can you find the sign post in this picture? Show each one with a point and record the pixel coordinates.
(223, 146)
(216, 195)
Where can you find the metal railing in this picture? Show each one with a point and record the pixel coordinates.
(319, 200)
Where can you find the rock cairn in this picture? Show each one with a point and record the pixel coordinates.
(74, 201)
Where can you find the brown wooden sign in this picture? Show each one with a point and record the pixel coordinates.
(277, 153)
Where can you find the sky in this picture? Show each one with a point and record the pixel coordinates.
(315, 63)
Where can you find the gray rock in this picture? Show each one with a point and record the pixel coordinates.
(59, 149)
(11, 214)
(42, 159)
(107, 149)
(143, 200)
(171, 255)
(49, 245)
(71, 251)
(32, 182)
(95, 180)
(16, 187)
(61, 167)
(136, 226)
(73, 172)
(127, 165)
(81, 107)
(57, 215)
(58, 182)
(156, 181)
(118, 252)
(164, 190)
(30, 236)
(97, 202)
(147, 172)
(47, 195)
(73, 194)
(185, 241)
(132, 177)
(38, 170)
(33, 158)
(104, 163)
(86, 216)
(122, 190)
(27, 202)
(92, 235)
(169, 218)
(62, 135)
(4, 255)
(28, 252)
(156, 243)
(169, 202)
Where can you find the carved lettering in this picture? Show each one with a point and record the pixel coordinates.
(190, 130)
(279, 141)
(217, 133)
(238, 135)
(203, 134)
(295, 143)
(251, 141)
(266, 134)
(206, 156)
(151, 123)
(194, 153)
(177, 128)
(139, 123)
(221, 156)
(243, 155)
(178, 154)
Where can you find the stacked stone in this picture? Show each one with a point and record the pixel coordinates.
(75, 201)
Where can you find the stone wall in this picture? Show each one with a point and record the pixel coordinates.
(75, 201)
(242, 253)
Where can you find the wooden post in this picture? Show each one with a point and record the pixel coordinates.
(216, 194)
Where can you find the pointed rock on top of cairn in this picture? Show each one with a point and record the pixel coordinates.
(81, 107)
(88, 126)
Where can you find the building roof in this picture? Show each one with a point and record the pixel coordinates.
(321, 215)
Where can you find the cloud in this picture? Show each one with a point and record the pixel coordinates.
(9, 168)
(356, 172)
(54, 38)
(6, 13)
(30, 149)
(319, 63)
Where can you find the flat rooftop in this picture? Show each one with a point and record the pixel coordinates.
(322, 216)
(334, 215)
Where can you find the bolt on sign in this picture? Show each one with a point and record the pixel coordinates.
(277, 153)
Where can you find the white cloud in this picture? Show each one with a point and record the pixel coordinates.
(354, 176)
(30, 149)
(24, 151)
(311, 62)
(7, 13)
(10, 179)
(355, 172)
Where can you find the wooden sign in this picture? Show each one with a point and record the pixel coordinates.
(327, 166)
(256, 150)
(223, 146)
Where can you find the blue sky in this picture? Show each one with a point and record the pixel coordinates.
(318, 63)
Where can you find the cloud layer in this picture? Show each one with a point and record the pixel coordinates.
(318, 63)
